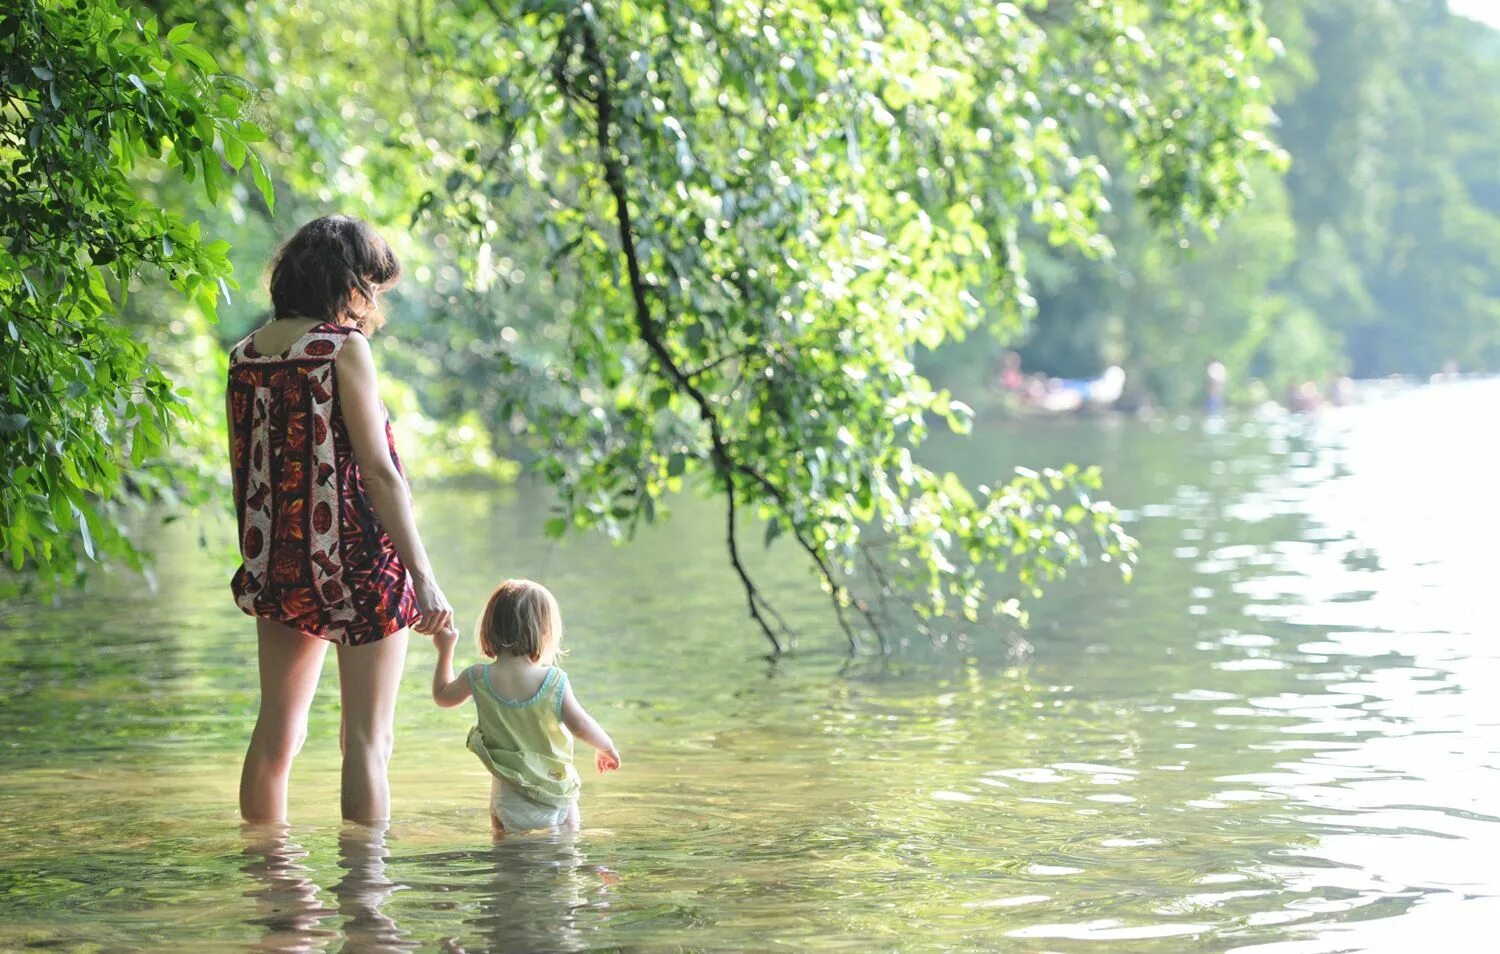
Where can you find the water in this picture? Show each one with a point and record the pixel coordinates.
(1281, 737)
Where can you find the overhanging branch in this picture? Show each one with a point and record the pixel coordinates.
(614, 177)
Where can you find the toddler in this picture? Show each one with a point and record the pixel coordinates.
(528, 716)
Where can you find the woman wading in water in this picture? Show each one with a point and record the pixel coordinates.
(329, 548)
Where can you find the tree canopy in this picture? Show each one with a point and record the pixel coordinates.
(93, 99)
(748, 247)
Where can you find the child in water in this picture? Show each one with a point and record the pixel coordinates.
(528, 716)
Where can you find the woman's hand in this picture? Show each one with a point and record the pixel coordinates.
(607, 760)
(437, 615)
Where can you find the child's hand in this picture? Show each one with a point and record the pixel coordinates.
(445, 640)
(607, 760)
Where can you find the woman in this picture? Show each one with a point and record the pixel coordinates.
(329, 548)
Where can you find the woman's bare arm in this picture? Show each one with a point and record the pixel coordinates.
(365, 423)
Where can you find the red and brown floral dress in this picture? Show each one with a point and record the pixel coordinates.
(314, 554)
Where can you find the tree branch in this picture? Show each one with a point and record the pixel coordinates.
(726, 466)
(752, 595)
(614, 178)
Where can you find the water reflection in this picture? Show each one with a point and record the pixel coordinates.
(536, 893)
(287, 902)
(364, 889)
(289, 905)
(524, 893)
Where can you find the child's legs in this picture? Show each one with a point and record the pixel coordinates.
(512, 811)
(290, 663)
(497, 827)
(368, 679)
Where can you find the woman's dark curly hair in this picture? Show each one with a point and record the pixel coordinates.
(334, 268)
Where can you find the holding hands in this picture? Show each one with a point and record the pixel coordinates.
(444, 641)
(437, 615)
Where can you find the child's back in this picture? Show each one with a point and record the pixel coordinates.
(527, 714)
(521, 739)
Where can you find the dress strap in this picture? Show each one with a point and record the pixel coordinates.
(237, 353)
(562, 689)
(321, 342)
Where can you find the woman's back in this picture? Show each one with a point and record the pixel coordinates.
(314, 555)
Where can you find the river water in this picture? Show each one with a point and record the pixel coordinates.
(1281, 737)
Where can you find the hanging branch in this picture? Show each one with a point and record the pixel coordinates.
(725, 465)
(614, 177)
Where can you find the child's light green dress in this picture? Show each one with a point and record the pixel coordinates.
(527, 749)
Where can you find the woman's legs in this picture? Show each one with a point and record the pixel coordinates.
(290, 663)
(368, 679)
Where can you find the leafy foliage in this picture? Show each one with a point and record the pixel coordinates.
(696, 243)
(758, 214)
(90, 97)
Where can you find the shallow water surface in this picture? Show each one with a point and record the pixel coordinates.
(1281, 737)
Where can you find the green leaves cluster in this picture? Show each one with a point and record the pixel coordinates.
(759, 214)
(91, 99)
(681, 244)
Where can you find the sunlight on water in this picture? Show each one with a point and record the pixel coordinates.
(1281, 738)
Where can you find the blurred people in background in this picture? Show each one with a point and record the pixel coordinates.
(1010, 377)
(1341, 390)
(1304, 397)
(1215, 381)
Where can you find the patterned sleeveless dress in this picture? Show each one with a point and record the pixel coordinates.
(314, 554)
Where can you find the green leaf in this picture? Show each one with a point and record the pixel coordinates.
(137, 448)
(234, 151)
(262, 180)
(83, 531)
(197, 56)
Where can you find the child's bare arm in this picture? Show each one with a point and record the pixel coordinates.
(583, 726)
(448, 690)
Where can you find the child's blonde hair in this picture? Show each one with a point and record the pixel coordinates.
(521, 619)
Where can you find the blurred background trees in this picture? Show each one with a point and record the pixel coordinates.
(1373, 251)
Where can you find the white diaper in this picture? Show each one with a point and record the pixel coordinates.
(520, 813)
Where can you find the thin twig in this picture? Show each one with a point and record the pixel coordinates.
(752, 595)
